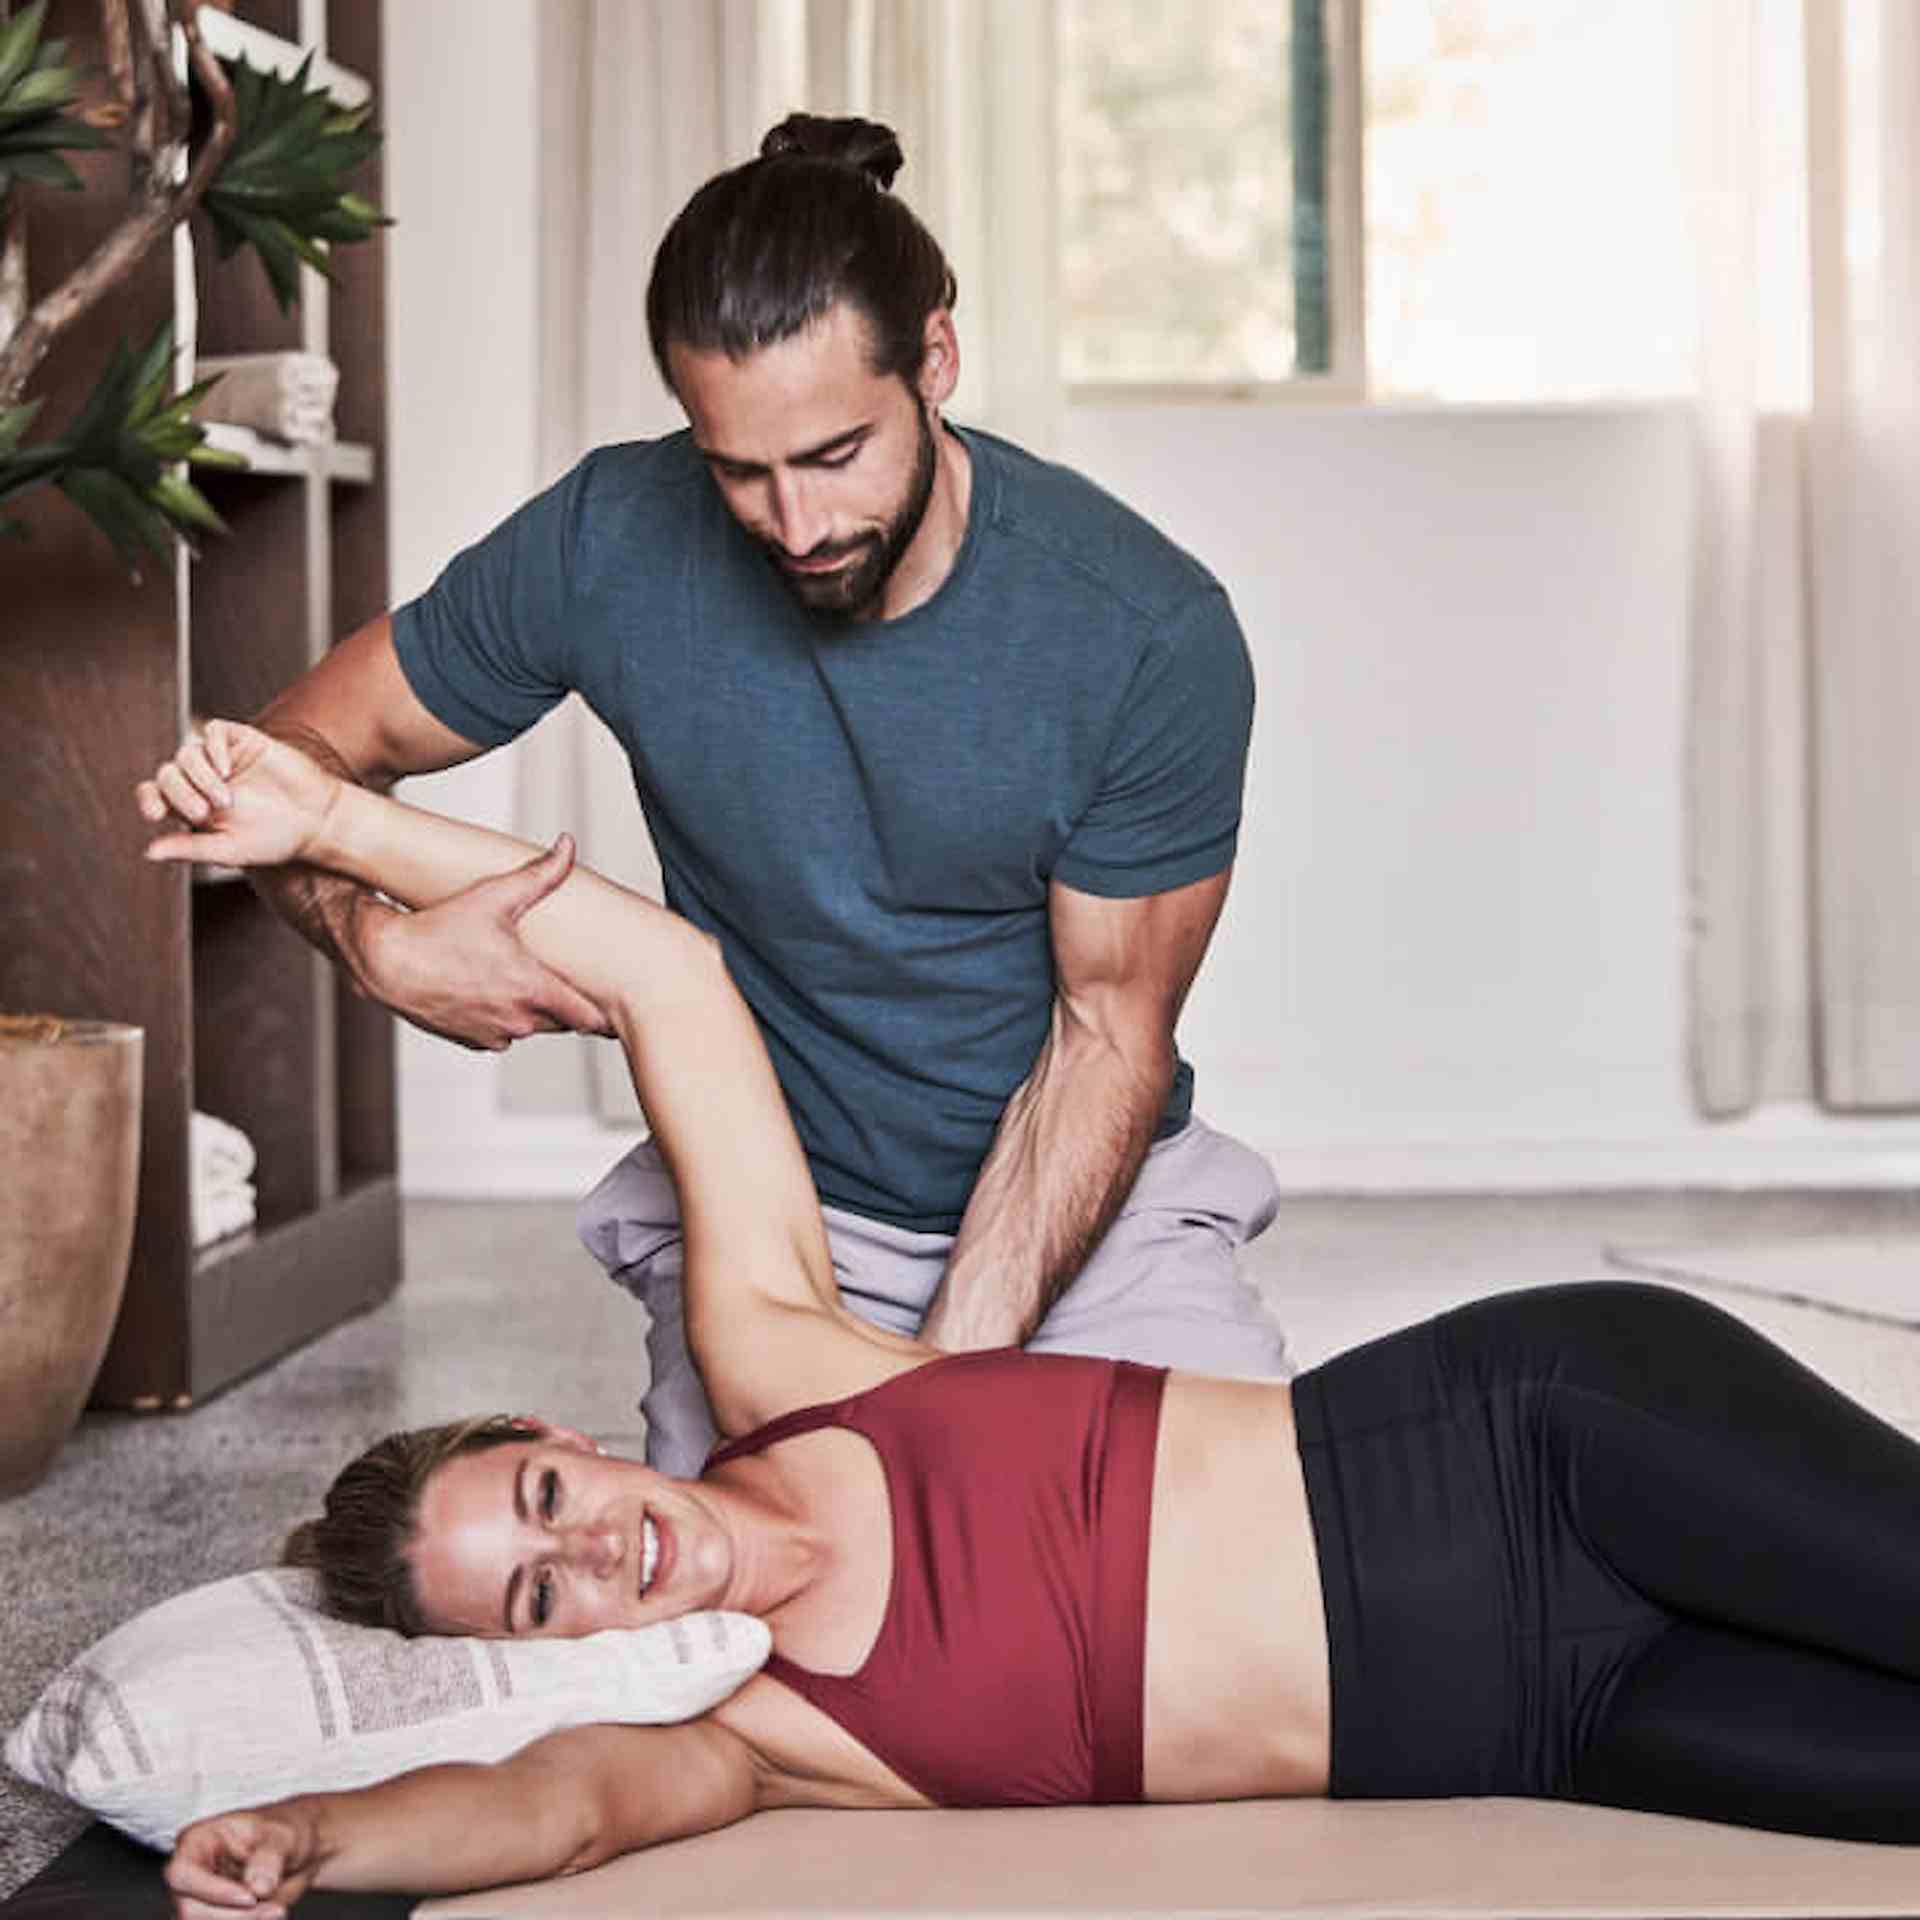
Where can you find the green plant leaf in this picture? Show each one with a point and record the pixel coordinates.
(121, 459)
(21, 468)
(184, 504)
(36, 88)
(283, 190)
(18, 39)
(42, 170)
(14, 422)
(120, 512)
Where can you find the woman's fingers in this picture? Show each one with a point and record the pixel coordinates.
(197, 778)
(190, 785)
(221, 739)
(203, 849)
(211, 1878)
(196, 763)
(181, 796)
(235, 1863)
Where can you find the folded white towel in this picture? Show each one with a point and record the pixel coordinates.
(286, 395)
(220, 1164)
(219, 1213)
(219, 1151)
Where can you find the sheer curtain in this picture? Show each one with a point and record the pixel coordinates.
(642, 100)
(1805, 152)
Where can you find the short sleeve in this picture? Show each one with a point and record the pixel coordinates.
(1167, 809)
(485, 647)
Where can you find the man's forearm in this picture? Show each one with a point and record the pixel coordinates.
(327, 909)
(1062, 1163)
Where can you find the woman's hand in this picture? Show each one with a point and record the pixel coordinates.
(248, 800)
(258, 1861)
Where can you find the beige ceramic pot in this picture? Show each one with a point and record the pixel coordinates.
(69, 1167)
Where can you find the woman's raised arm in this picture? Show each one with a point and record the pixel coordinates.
(754, 1236)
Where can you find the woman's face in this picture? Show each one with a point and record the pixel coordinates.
(550, 1537)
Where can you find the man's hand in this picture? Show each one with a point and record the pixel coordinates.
(256, 1861)
(460, 969)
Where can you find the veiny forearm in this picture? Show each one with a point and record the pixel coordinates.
(327, 909)
(1062, 1162)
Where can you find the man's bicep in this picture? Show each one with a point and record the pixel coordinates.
(359, 700)
(1129, 962)
(1165, 808)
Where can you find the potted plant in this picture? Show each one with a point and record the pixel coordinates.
(265, 160)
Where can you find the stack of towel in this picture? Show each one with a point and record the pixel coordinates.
(287, 396)
(220, 1178)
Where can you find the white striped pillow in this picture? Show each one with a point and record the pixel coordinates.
(243, 1691)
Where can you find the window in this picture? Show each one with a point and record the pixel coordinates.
(1465, 199)
(1206, 213)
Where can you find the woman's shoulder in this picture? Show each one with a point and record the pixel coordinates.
(803, 1361)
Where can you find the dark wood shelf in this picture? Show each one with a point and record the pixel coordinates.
(98, 676)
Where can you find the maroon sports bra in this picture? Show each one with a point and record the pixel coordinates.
(1009, 1669)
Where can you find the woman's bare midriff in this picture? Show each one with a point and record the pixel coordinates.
(1237, 1690)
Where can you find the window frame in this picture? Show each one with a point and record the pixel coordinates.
(1346, 380)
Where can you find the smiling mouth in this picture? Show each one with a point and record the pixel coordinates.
(649, 1553)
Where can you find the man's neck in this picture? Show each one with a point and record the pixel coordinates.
(923, 568)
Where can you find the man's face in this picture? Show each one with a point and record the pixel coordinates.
(826, 464)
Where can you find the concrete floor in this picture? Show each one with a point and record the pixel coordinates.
(502, 1310)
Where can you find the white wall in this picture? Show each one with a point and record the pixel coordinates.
(462, 366)
(1455, 951)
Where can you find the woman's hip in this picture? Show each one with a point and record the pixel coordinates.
(1472, 1633)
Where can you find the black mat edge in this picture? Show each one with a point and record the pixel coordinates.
(105, 1876)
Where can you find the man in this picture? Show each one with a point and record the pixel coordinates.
(943, 745)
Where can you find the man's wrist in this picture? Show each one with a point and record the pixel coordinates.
(362, 922)
(968, 1317)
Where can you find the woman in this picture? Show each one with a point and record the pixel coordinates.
(1591, 1542)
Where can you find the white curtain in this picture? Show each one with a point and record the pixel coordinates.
(1805, 154)
(641, 101)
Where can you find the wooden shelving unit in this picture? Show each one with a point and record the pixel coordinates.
(98, 677)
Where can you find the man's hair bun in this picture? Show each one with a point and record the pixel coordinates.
(864, 145)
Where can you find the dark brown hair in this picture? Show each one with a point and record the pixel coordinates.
(766, 249)
(362, 1544)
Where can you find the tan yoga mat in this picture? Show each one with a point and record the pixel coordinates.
(1383, 1859)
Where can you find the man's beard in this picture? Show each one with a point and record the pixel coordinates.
(852, 592)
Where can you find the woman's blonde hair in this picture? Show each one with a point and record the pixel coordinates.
(362, 1545)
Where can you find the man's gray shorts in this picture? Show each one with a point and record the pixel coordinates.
(1163, 1287)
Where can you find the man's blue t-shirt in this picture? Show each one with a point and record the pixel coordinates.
(867, 814)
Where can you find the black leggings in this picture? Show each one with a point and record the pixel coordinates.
(1606, 1543)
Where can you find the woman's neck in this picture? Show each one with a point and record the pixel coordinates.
(780, 1547)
